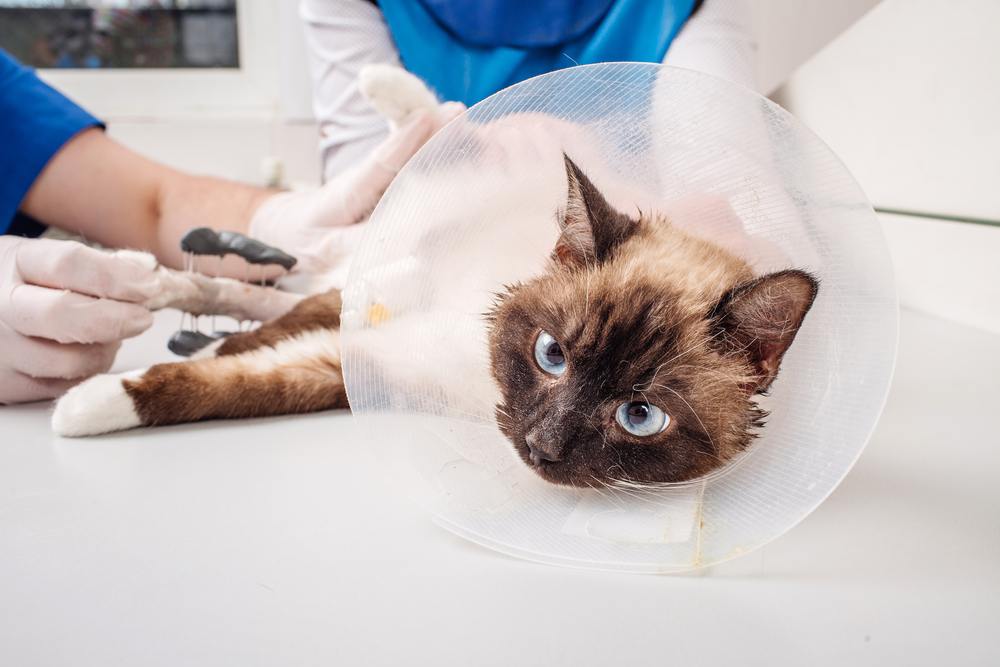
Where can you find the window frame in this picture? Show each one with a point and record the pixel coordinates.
(249, 90)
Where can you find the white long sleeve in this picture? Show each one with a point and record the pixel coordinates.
(718, 39)
(342, 36)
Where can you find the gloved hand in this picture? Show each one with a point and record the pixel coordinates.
(314, 225)
(64, 309)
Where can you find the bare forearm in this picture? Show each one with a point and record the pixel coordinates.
(103, 191)
(100, 190)
(185, 202)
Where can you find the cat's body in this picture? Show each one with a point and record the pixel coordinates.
(640, 312)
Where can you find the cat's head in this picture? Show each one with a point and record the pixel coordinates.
(612, 369)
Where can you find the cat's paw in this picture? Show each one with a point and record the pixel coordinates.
(98, 405)
(394, 92)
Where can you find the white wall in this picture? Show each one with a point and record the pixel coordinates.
(909, 97)
(948, 269)
(789, 32)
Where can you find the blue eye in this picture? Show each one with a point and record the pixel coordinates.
(641, 418)
(549, 355)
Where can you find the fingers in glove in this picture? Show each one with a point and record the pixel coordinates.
(338, 245)
(358, 190)
(43, 359)
(19, 388)
(123, 276)
(390, 156)
(69, 317)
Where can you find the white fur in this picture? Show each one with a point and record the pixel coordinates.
(99, 405)
(394, 92)
(303, 348)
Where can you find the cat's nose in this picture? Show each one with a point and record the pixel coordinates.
(538, 452)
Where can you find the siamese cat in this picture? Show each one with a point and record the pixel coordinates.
(634, 357)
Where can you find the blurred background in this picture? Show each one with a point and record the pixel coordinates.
(907, 92)
(107, 34)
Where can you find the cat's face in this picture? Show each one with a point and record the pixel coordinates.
(607, 373)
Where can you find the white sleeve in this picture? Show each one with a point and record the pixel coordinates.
(718, 39)
(342, 36)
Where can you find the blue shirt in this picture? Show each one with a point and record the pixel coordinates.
(467, 53)
(35, 122)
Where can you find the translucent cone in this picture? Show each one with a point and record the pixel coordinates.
(476, 210)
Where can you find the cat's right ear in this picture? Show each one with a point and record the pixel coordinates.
(759, 320)
(591, 227)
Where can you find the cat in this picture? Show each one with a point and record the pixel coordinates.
(634, 356)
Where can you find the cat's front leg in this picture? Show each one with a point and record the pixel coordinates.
(198, 294)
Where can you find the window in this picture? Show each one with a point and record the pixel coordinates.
(90, 34)
(126, 60)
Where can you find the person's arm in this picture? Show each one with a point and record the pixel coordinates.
(342, 36)
(718, 40)
(107, 193)
(103, 191)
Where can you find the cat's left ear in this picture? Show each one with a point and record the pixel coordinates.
(591, 227)
(759, 319)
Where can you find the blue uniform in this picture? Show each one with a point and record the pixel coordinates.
(35, 122)
(467, 54)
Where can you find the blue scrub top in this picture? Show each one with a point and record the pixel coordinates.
(467, 53)
(35, 122)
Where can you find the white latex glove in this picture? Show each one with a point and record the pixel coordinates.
(314, 226)
(64, 309)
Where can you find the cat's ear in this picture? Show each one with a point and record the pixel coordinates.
(760, 318)
(591, 227)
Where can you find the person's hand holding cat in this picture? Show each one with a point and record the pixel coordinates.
(64, 310)
(315, 226)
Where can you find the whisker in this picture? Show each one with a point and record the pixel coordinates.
(604, 491)
(695, 413)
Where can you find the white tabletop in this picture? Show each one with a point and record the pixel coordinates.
(275, 542)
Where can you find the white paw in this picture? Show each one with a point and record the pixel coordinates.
(394, 92)
(99, 405)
